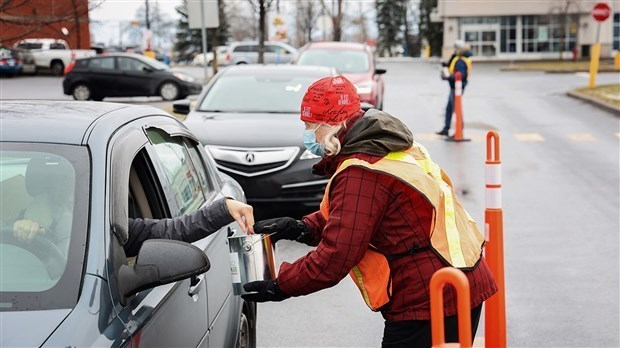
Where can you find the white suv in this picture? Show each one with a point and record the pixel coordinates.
(247, 53)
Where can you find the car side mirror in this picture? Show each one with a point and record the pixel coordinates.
(181, 107)
(159, 262)
(380, 71)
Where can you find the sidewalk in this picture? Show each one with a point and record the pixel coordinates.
(606, 97)
(561, 66)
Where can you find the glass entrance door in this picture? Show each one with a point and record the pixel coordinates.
(484, 39)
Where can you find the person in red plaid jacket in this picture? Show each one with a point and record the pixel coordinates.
(366, 208)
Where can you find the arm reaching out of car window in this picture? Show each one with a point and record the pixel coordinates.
(190, 227)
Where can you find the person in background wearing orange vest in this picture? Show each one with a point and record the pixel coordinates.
(389, 218)
(459, 62)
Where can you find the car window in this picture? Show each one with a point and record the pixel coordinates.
(343, 61)
(81, 63)
(106, 63)
(46, 185)
(242, 48)
(200, 167)
(130, 64)
(57, 46)
(30, 45)
(181, 176)
(258, 93)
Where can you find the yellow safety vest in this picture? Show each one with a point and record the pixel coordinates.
(454, 235)
(456, 59)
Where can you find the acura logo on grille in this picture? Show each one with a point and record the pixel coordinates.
(249, 157)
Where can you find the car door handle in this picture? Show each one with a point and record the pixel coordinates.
(196, 282)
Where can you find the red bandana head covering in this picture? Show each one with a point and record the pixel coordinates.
(330, 100)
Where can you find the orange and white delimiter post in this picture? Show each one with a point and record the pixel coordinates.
(495, 311)
(458, 279)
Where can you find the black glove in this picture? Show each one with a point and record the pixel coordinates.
(284, 228)
(264, 291)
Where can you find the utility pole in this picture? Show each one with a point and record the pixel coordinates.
(148, 22)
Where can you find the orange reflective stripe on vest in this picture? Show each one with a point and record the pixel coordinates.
(454, 235)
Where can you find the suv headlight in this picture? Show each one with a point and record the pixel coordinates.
(308, 155)
(364, 88)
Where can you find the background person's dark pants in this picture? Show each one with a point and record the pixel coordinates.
(449, 111)
(417, 333)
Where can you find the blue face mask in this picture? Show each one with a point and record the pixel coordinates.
(311, 144)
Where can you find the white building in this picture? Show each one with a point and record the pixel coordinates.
(527, 29)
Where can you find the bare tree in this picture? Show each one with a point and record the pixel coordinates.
(360, 20)
(306, 14)
(337, 15)
(12, 16)
(564, 10)
(241, 21)
(261, 7)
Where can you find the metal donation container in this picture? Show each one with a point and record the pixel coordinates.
(252, 257)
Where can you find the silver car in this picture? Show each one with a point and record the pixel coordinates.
(103, 164)
(247, 53)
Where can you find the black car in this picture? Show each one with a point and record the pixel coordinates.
(125, 75)
(94, 165)
(248, 117)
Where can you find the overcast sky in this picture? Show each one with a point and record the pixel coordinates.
(126, 9)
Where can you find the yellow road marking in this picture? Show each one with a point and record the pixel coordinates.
(533, 137)
(581, 137)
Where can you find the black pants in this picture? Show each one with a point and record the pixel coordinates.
(417, 333)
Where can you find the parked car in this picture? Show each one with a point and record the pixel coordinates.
(249, 118)
(247, 53)
(111, 162)
(52, 54)
(10, 65)
(126, 75)
(353, 60)
(221, 51)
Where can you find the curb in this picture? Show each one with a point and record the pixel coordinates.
(598, 103)
(547, 71)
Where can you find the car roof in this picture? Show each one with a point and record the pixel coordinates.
(278, 70)
(333, 45)
(62, 122)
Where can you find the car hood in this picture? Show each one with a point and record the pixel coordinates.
(358, 78)
(29, 328)
(246, 129)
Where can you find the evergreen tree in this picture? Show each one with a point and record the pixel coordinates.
(433, 32)
(190, 40)
(390, 23)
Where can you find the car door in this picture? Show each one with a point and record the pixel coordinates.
(171, 315)
(102, 76)
(184, 169)
(135, 77)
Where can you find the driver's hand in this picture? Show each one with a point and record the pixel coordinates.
(26, 230)
(242, 213)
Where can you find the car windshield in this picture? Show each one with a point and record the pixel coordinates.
(44, 194)
(256, 93)
(343, 61)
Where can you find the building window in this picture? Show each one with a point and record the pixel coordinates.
(508, 34)
(617, 31)
(548, 33)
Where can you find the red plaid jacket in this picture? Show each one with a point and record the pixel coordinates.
(368, 207)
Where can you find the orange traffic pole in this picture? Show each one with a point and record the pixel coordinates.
(495, 310)
(455, 277)
(458, 109)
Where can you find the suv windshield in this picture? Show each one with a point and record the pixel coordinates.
(44, 195)
(343, 61)
(258, 93)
